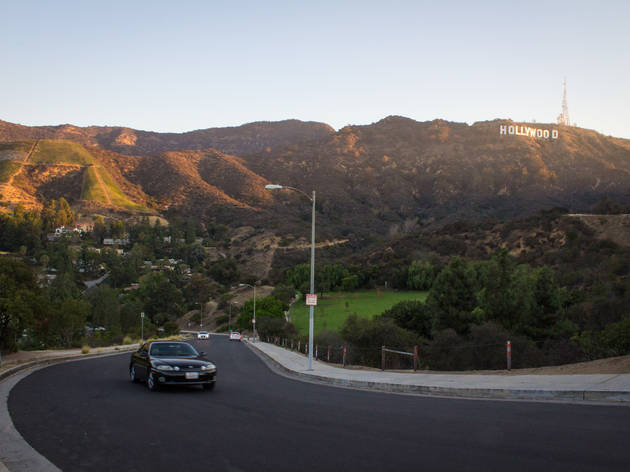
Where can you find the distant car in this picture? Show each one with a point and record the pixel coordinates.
(203, 335)
(234, 336)
(162, 363)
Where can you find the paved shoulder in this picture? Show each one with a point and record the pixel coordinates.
(600, 388)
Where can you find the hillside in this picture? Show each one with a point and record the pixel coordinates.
(31, 171)
(388, 178)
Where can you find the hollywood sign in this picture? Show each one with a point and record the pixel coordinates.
(527, 131)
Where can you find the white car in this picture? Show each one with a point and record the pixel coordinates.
(203, 335)
(234, 336)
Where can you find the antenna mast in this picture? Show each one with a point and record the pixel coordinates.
(563, 118)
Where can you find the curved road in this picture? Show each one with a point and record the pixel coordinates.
(87, 416)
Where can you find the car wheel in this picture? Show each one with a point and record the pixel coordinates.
(209, 386)
(132, 374)
(152, 383)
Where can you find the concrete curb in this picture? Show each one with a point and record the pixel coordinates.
(612, 397)
(14, 450)
(55, 360)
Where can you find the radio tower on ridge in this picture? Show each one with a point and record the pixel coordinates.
(563, 118)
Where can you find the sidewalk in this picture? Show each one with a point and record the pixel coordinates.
(592, 387)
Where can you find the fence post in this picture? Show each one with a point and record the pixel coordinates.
(328, 357)
(509, 355)
(316, 351)
(382, 357)
(300, 345)
(292, 344)
(345, 352)
(415, 358)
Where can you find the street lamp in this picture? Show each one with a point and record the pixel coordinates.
(311, 307)
(142, 329)
(254, 319)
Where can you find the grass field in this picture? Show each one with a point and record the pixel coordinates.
(8, 169)
(333, 309)
(116, 195)
(61, 152)
(92, 189)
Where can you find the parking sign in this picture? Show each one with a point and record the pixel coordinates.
(311, 299)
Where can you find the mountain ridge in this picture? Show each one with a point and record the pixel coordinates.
(381, 178)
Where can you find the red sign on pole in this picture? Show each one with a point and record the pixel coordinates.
(311, 299)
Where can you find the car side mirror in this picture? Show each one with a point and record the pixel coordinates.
(201, 353)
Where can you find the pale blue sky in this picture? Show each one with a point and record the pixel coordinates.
(185, 65)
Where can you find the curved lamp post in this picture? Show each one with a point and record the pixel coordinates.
(310, 319)
(254, 319)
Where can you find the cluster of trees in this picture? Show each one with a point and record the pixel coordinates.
(44, 302)
(473, 307)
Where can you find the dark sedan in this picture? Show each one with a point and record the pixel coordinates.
(171, 363)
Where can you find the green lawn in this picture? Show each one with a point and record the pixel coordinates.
(61, 152)
(333, 309)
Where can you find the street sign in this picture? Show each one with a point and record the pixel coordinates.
(311, 299)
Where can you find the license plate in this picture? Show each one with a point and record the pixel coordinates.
(192, 375)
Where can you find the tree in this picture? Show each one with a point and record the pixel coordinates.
(21, 301)
(69, 321)
(197, 289)
(412, 315)
(225, 271)
(160, 296)
(105, 303)
(452, 297)
(496, 297)
(420, 275)
(267, 307)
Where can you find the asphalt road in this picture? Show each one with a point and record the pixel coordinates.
(87, 416)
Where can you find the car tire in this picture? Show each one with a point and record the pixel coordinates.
(152, 383)
(132, 374)
(209, 387)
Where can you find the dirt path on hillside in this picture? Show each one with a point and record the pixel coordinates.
(9, 183)
(102, 184)
(10, 192)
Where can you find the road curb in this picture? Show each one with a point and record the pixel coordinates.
(611, 397)
(27, 458)
(54, 360)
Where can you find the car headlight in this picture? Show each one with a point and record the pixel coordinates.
(164, 367)
(208, 367)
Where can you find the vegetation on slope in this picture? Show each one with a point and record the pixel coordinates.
(61, 152)
(8, 169)
(99, 186)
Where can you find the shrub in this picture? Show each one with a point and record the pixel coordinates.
(85, 349)
(127, 340)
(170, 328)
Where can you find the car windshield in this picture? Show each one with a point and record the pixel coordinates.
(173, 350)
